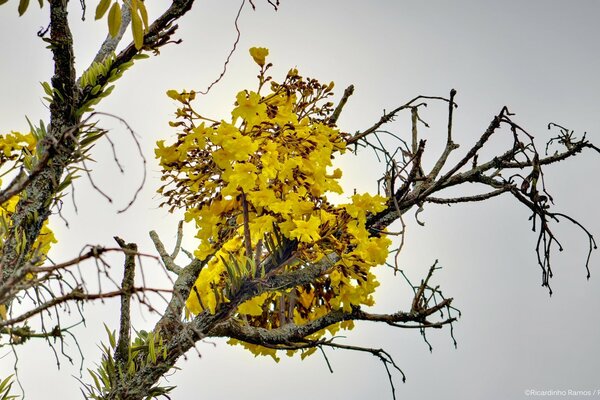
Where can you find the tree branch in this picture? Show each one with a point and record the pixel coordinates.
(291, 333)
(165, 257)
(34, 208)
(122, 348)
(338, 110)
(388, 117)
(110, 44)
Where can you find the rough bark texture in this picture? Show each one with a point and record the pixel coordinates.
(34, 207)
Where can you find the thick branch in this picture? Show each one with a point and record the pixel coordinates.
(121, 351)
(291, 333)
(170, 322)
(22, 180)
(165, 257)
(34, 207)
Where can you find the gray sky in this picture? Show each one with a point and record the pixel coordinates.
(539, 58)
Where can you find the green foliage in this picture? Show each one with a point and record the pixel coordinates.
(148, 348)
(102, 8)
(97, 70)
(23, 5)
(5, 387)
(114, 19)
(96, 79)
(139, 16)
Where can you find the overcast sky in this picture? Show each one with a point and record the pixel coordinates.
(539, 58)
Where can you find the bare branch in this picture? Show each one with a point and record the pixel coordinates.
(465, 199)
(179, 239)
(388, 117)
(165, 257)
(338, 110)
(450, 145)
(76, 294)
(122, 348)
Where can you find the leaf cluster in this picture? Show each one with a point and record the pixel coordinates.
(148, 348)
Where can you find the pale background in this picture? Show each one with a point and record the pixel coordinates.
(539, 58)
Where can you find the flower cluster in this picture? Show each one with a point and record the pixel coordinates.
(19, 149)
(12, 144)
(256, 188)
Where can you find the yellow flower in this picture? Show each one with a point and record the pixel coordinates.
(261, 225)
(263, 197)
(365, 203)
(204, 250)
(254, 306)
(306, 231)
(166, 154)
(259, 54)
(16, 141)
(249, 108)
(306, 298)
(242, 175)
(276, 152)
(374, 250)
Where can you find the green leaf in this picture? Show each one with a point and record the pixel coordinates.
(102, 8)
(66, 182)
(143, 13)
(95, 90)
(114, 76)
(114, 19)
(107, 91)
(140, 56)
(27, 163)
(4, 224)
(2, 2)
(47, 88)
(95, 378)
(130, 367)
(5, 382)
(91, 138)
(125, 65)
(151, 348)
(23, 4)
(111, 337)
(137, 30)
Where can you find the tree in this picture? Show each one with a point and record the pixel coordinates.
(277, 255)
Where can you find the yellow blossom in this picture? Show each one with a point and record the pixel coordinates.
(306, 231)
(253, 306)
(278, 152)
(259, 54)
(249, 108)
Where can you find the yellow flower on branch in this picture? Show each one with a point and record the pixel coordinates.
(278, 150)
(259, 54)
(307, 231)
(242, 176)
(249, 108)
